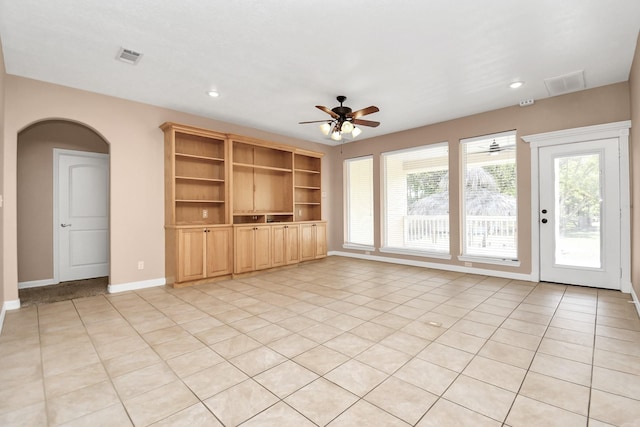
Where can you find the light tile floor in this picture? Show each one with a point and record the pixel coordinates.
(338, 342)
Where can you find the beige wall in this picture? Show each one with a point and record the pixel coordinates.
(590, 107)
(2, 192)
(634, 90)
(35, 190)
(136, 164)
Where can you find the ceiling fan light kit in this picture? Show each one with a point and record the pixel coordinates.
(343, 120)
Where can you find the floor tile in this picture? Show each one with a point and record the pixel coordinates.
(320, 359)
(195, 361)
(556, 392)
(426, 375)
(383, 358)
(564, 369)
(255, 361)
(84, 401)
(509, 354)
(487, 399)
(240, 402)
(356, 377)
(215, 379)
(321, 401)
(160, 403)
(349, 344)
(445, 356)
(279, 415)
(496, 373)
(143, 380)
(616, 382)
(614, 409)
(404, 400)
(446, 413)
(155, 355)
(286, 378)
(526, 412)
(365, 414)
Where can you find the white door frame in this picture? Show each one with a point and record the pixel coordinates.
(57, 152)
(619, 130)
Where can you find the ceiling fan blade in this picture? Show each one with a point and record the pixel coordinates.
(369, 123)
(315, 121)
(363, 112)
(328, 111)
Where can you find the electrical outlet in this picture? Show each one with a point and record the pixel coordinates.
(140, 265)
(205, 213)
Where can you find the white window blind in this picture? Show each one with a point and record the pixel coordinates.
(489, 196)
(416, 200)
(359, 201)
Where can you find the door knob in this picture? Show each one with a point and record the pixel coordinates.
(65, 225)
(544, 220)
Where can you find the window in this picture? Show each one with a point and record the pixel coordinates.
(416, 201)
(359, 202)
(489, 214)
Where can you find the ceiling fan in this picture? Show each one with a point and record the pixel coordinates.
(495, 148)
(343, 120)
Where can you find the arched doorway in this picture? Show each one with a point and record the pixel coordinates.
(38, 149)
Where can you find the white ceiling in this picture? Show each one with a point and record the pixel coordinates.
(419, 61)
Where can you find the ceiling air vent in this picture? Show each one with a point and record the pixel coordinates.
(129, 56)
(566, 83)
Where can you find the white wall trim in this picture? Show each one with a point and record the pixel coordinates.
(12, 305)
(618, 130)
(37, 283)
(8, 305)
(132, 286)
(635, 300)
(3, 311)
(437, 266)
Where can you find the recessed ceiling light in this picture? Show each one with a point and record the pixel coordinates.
(516, 85)
(213, 94)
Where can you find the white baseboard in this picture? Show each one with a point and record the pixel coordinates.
(636, 301)
(8, 305)
(132, 286)
(37, 283)
(447, 267)
(2, 313)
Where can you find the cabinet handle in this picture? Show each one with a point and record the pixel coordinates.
(65, 225)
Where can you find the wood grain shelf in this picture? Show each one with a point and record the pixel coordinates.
(194, 178)
(268, 168)
(193, 156)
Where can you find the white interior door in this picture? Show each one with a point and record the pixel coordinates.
(83, 214)
(579, 218)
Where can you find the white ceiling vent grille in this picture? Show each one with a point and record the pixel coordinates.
(129, 56)
(566, 83)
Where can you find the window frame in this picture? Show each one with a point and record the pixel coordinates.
(384, 247)
(484, 259)
(347, 205)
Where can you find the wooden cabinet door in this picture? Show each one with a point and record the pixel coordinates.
(219, 251)
(307, 242)
(191, 250)
(320, 240)
(244, 260)
(262, 255)
(292, 253)
(278, 245)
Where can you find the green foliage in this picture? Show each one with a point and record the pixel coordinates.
(423, 184)
(578, 180)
